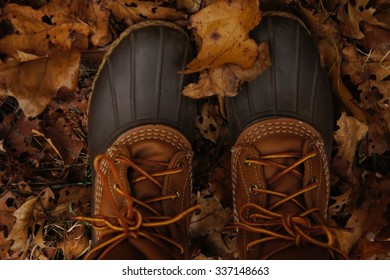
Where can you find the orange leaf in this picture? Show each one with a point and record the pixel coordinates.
(224, 27)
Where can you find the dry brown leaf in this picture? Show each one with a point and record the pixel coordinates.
(361, 67)
(375, 36)
(350, 132)
(225, 80)
(366, 250)
(7, 221)
(377, 141)
(353, 13)
(19, 232)
(58, 39)
(80, 196)
(57, 26)
(340, 202)
(190, 6)
(224, 27)
(210, 222)
(354, 228)
(329, 44)
(30, 213)
(75, 243)
(132, 11)
(35, 82)
(207, 125)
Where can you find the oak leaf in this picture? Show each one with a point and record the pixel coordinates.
(353, 13)
(225, 80)
(223, 27)
(329, 43)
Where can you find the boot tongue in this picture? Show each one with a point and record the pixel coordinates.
(149, 150)
(289, 184)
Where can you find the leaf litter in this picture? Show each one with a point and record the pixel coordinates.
(51, 50)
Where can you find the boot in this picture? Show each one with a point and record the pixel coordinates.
(281, 125)
(140, 130)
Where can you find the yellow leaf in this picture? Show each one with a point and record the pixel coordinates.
(223, 27)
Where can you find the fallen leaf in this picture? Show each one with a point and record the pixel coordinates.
(207, 125)
(31, 213)
(79, 196)
(350, 132)
(19, 232)
(35, 82)
(190, 6)
(7, 221)
(375, 36)
(329, 43)
(377, 141)
(374, 65)
(132, 11)
(366, 250)
(224, 27)
(225, 80)
(75, 243)
(352, 13)
(340, 202)
(209, 223)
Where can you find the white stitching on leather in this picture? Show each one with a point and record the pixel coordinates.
(145, 134)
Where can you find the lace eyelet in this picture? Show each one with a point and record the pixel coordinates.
(246, 163)
(180, 164)
(177, 195)
(313, 180)
(253, 187)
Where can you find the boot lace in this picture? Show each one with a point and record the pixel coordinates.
(295, 229)
(129, 222)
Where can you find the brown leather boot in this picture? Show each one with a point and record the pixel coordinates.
(282, 126)
(139, 129)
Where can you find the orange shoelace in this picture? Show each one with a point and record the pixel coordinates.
(296, 229)
(129, 222)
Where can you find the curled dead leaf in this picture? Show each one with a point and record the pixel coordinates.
(225, 80)
(224, 27)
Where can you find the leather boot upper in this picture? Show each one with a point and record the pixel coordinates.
(280, 180)
(142, 196)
